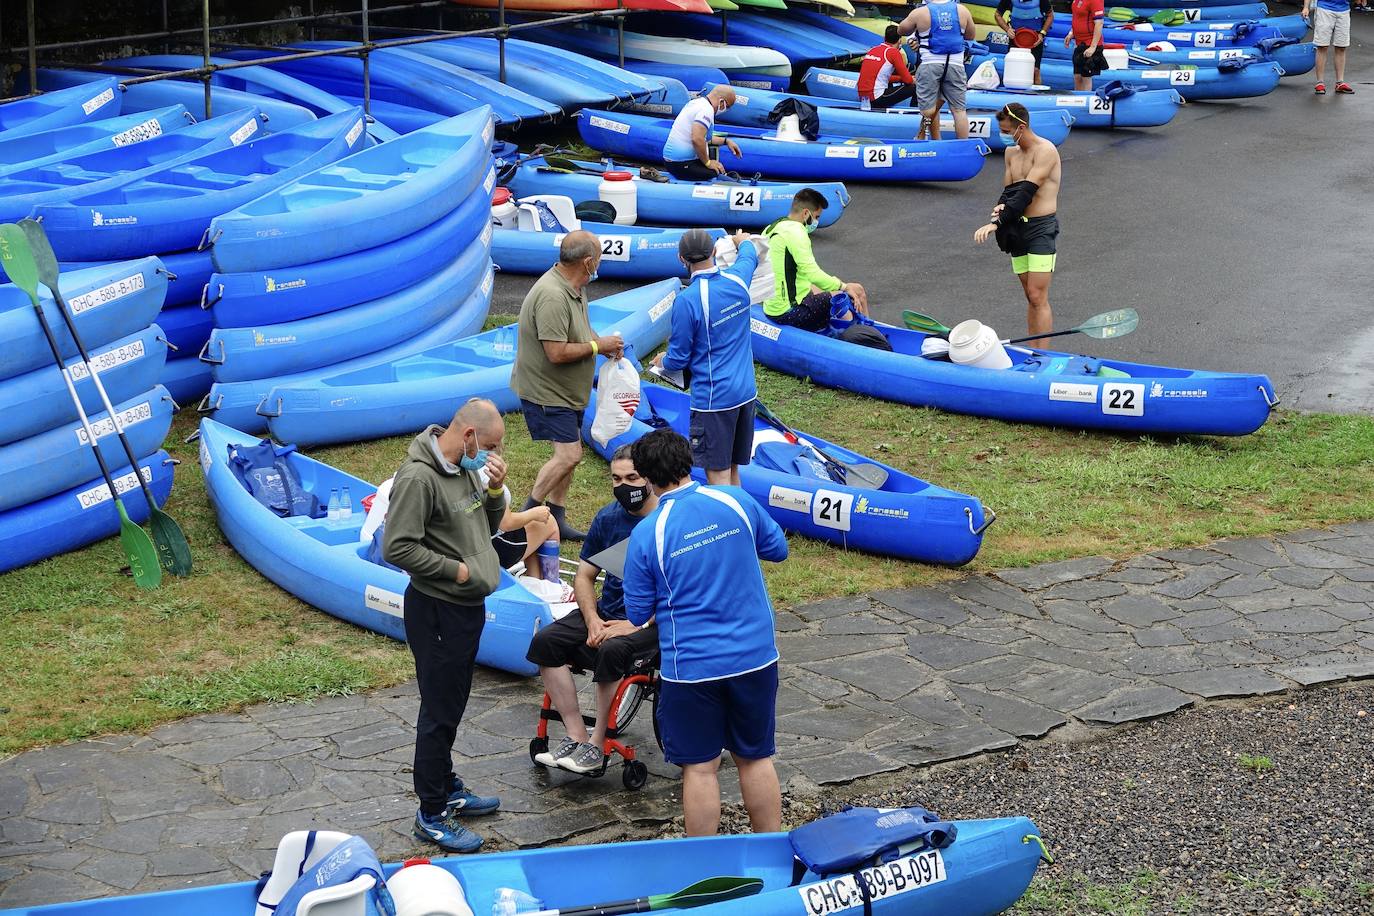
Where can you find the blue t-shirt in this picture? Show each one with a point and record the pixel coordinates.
(611, 526)
(711, 336)
(1334, 6)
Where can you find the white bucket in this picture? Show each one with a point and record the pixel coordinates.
(972, 343)
(504, 212)
(618, 189)
(427, 890)
(1018, 71)
(1117, 58)
(789, 129)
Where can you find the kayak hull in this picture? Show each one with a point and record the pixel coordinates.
(1154, 399)
(60, 108)
(408, 393)
(627, 252)
(148, 96)
(324, 564)
(1200, 84)
(32, 150)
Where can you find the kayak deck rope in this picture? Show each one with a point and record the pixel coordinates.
(1044, 851)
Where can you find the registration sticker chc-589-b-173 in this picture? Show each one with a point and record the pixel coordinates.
(890, 879)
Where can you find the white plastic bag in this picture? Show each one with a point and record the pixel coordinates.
(376, 515)
(617, 398)
(761, 285)
(985, 77)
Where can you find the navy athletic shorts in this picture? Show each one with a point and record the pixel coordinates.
(552, 424)
(721, 438)
(737, 714)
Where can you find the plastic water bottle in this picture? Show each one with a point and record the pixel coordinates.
(345, 507)
(548, 560)
(511, 902)
(333, 515)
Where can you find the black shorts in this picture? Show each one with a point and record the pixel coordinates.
(721, 438)
(564, 642)
(1088, 66)
(1038, 235)
(1038, 52)
(510, 547)
(691, 170)
(552, 424)
(811, 314)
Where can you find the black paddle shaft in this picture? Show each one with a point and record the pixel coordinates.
(620, 908)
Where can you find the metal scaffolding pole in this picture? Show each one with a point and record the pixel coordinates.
(367, 83)
(501, 40)
(620, 36)
(205, 38)
(33, 49)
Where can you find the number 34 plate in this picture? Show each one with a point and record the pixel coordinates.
(888, 880)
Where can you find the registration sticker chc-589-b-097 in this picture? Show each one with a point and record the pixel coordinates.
(890, 879)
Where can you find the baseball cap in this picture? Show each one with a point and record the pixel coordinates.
(696, 245)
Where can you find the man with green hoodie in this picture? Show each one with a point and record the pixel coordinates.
(801, 290)
(438, 529)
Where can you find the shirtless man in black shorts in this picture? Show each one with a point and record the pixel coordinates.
(1024, 219)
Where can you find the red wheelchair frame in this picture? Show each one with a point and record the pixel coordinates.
(634, 774)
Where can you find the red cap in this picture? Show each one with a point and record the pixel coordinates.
(617, 176)
(500, 196)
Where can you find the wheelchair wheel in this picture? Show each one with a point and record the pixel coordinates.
(630, 702)
(634, 774)
(538, 746)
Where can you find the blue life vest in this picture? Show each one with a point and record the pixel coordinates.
(946, 34)
(859, 837)
(348, 860)
(1025, 14)
(267, 473)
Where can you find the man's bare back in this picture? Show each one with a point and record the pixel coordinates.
(1040, 165)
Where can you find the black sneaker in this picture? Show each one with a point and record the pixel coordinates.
(587, 758)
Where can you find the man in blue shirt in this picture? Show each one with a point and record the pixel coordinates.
(693, 566)
(1330, 29)
(710, 339)
(599, 639)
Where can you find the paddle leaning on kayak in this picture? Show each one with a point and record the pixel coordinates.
(1024, 219)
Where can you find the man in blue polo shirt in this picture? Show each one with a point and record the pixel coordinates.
(693, 567)
(710, 339)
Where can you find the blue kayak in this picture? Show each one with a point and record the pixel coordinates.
(324, 564)
(1189, 14)
(907, 518)
(367, 199)
(803, 45)
(257, 297)
(1295, 57)
(186, 378)
(267, 350)
(108, 302)
(187, 273)
(1226, 34)
(149, 96)
(80, 516)
(170, 209)
(827, 158)
(846, 119)
(38, 400)
(23, 189)
(748, 203)
(186, 327)
(1103, 109)
(262, 82)
(693, 78)
(1057, 389)
(1248, 80)
(984, 871)
(60, 108)
(627, 252)
(60, 457)
(238, 402)
(28, 151)
(390, 398)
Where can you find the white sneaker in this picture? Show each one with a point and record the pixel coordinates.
(551, 758)
(587, 758)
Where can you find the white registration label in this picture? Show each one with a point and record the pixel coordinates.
(89, 499)
(106, 361)
(1123, 399)
(977, 127)
(831, 508)
(877, 157)
(831, 80)
(138, 133)
(1156, 74)
(354, 132)
(789, 499)
(95, 102)
(661, 306)
(1205, 40)
(107, 293)
(710, 192)
(1202, 55)
(608, 124)
(836, 151)
(1180, 36)
(244, 132)
(127, 418)
(1073, 391)
(744, 199)
(1070, 101)
(1099, 105)
(764, 328)
(1182, 77)
(379, 599)
(891, 879)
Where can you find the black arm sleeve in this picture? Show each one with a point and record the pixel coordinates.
(1016, 197)
(1004, 6)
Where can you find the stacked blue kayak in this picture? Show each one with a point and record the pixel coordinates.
(60, 108)
(374, 257)
(52, 496)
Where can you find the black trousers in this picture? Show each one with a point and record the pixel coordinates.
(691, 170)
(895, 95)
(443, 638)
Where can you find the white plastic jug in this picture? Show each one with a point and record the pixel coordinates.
(427, 890)
(1117, 58)
(789, 129)
(972, 343)
(504, 213)
(1018, 71)
(618, 189)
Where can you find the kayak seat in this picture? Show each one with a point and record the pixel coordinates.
(297, 851)
(547, 213)
(349, 899)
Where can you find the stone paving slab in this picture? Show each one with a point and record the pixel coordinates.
(870, 684)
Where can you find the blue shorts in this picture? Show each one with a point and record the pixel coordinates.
(736, 714)
(721, 438)
(552, 424)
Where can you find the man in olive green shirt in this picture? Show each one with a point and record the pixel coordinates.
(555, 359)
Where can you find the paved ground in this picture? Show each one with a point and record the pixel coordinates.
(870, 685)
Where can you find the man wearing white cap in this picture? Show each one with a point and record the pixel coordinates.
(710, 339)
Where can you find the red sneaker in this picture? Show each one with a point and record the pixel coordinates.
(1319, 89)
(1344, 89)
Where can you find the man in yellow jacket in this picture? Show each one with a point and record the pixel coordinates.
(801, 290)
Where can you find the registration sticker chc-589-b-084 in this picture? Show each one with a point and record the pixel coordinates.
(890, 879)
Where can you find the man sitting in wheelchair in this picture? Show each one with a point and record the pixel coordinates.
(599, 639)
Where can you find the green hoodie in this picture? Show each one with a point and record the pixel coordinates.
(795, 269)
(433, 521)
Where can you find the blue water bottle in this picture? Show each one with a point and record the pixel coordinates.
(548, 560)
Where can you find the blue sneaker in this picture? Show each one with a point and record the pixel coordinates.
(444, 832)
(462, 803)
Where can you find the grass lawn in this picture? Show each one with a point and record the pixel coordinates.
(88, 653)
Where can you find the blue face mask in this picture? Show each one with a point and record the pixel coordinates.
(811, 226)
(475, 463)
(1007, 139)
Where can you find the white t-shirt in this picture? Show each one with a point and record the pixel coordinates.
(679, 146)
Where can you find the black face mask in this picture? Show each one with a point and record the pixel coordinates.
(630, 496)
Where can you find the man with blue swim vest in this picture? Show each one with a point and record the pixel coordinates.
(693, 566)
(1027, 16)
(944, 26)
(710, 338)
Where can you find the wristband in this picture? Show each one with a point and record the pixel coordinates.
(595, 348)
(495, 491)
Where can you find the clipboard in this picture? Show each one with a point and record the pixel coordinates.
(612, 559)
